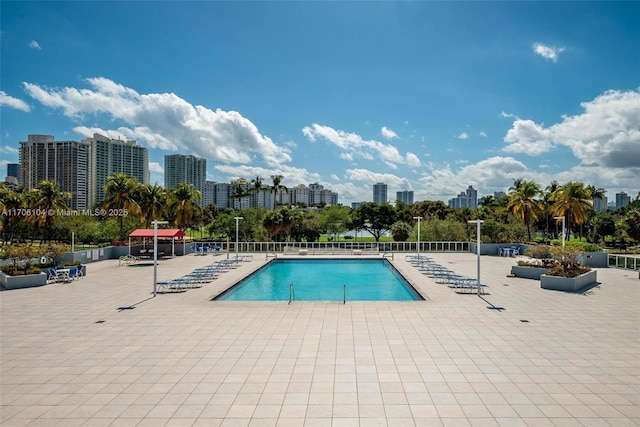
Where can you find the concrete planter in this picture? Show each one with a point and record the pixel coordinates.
(568, 284)
(20, 282)
(528, 272)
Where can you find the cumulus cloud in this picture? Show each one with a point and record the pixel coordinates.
(163, 120)
(413, 160)
(606, 134)
(155, 167)
(388, 133)
(463, 135)
(10, 101)
(483, 134)
(353, 146)
(35, 45)
(292, 175)
(547, 52)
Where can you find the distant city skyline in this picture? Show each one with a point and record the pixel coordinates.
(429, 97)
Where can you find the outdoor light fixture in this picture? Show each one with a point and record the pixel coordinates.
(478, 221)
(237, 218)
(418, 218)
(155, 254)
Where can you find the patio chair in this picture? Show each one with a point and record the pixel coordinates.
(75, 273)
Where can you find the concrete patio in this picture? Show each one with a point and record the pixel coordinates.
(103, 352)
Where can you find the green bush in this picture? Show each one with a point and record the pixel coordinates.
(538, 251)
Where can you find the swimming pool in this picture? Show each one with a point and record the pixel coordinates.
(324, 280)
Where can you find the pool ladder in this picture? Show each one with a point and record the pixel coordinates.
(292, 293)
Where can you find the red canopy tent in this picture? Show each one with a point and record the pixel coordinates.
(163, 233)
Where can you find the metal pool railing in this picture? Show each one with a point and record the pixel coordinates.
(338, 247)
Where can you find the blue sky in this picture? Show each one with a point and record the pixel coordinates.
(427, 96)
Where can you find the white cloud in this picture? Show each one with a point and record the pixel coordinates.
(388, 133)
(155, 167)
(463, 135)
(292, 175)
(35, 45)
(10, 101)
(527, 137)
(483, 134)
(508, 115)
(164, 120)
(413, 160)
(547, 52)
(606, 134)
(9, 150)
(353, 146)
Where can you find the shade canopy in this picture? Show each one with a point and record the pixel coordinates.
(162, 232)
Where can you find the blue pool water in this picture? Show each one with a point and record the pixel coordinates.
(323, 280)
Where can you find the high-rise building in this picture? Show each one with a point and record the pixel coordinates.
(108, 156)
(600, 204)
(13, 169)
(240, 203)
(185, 168)
(467, 199)
(405, 196)
(318, 195)
(63, 162)
(622, 200)
(379, 193)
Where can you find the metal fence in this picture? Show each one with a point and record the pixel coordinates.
(332, 247)
(624, 261)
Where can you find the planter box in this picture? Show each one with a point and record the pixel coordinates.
(568, 284)
(20, 282)
(528, 272)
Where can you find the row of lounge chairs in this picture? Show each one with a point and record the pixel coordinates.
(202, 275)
(441, 274)
(204, 250)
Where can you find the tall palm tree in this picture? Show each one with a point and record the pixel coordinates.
(523, 202)
(573, 201)
(256, 187)
(47, 198)
(277, 186)
(547, 203)
(121, 191)
(183, 202)
(152, 200)
(13, 202)
(238, 192)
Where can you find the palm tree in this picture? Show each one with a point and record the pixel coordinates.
(522, 202)
(13, 202)
(183, 200)
(121, 191)
(276, 187)
(238, 192)
(573, 201)
(546, 204)
(47, 198)
(256, 187)
(152, 200)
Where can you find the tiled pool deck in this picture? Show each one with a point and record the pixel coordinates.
(181, 360)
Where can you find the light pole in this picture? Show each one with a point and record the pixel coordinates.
(237, 218)
(418, 218)
(561, 217)
(478, 222)
(155, 254)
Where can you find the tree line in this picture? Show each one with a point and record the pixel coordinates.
(528, 213)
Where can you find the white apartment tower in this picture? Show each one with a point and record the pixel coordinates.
(63, 162)
(108, 156)
(185, 168)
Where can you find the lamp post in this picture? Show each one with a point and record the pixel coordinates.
(155, 254)
(561, 217)
(418, 218)
(478, 222)
(237, 218)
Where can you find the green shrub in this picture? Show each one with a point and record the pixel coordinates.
(538, 251)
